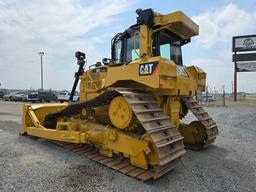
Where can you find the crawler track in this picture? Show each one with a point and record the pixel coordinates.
(167, 142)
(120, 165)
(202, 116)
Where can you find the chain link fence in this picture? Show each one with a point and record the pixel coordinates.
(223, 99)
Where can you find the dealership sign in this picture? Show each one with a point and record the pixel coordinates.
(244, 43)
(244, 61)
(246, 67)
(244, 56)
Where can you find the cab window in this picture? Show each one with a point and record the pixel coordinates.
(165, 51)
(118, 50)
(168, 46)
(133, 48)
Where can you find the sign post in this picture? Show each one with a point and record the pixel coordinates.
(235, 81)
(244, 56)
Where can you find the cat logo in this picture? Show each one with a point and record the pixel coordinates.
(147, 68)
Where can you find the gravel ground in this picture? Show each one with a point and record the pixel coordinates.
(32, 164)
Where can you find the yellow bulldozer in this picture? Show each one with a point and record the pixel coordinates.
(131, 105)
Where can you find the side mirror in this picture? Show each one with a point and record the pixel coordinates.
(106, 61)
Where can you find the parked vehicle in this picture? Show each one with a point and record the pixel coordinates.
(20, 97)
(64, 96)
(203, 97)
(14, 96)
(2, 93)
(8, 97)
(33, 97)
(42, 96)
(209, 98)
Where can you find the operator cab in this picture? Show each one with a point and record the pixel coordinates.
(126, 46)
(167, 33)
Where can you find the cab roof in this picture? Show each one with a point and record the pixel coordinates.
(178, 23)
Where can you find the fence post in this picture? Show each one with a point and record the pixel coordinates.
(206, 94)
(223, 96)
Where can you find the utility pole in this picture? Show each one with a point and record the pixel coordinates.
(232, 88)
(41, 53)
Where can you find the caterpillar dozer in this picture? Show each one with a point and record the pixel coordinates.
(131, 105)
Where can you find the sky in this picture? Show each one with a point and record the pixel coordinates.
(61, 27)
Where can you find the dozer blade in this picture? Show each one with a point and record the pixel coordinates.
(33, 114)
(33, 118)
